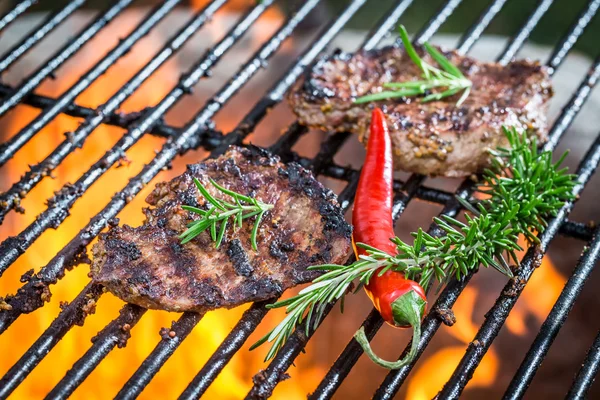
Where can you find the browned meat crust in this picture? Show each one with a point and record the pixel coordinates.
(148, 266)
(435, 138)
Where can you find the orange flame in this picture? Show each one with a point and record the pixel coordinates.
(538, 297)
(428, 379)
(110, 375)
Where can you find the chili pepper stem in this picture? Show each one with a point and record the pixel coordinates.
(408, 310)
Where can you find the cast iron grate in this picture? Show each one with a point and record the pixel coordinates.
(199, 132)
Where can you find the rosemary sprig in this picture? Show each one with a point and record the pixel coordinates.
(450, 78)
(221, 212)
(525, 188)
(312, 300)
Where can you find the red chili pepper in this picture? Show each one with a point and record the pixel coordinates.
(400, 301)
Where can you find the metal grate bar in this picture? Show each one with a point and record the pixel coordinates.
(73, 314)
(8, 149)
(577, 230)
(251, 319)
(39, 32)
(386, 24)
(58, 207)
(114, 334)
(15, 12)
(120, 119)
(555, 320)
(157, 358)
(11, 198)
(286, 356)
(587, 373)
(575, 30)
(23, 300)
(434, 24)
(32, 81)
(163, 350)
(448, 297)
(514, 45)
(577, 101)
(169, 151)
(476, 30)
(373, 322)
(232, 343)
(269, 378)
(497, 315)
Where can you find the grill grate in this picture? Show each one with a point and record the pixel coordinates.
(199, 132)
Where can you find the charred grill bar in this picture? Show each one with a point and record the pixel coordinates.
(199, 132)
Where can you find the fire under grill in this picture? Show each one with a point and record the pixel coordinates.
(200, 132)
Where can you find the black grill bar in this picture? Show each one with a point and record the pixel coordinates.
(39, 32)
(515, 44)
(22, 302)
(199, 132)
(557, 317)
(577, 101)
(449, 295)
(386, 24)
(15, 12)
(431, 27)
(10, 198)
(232, 343)
(575, 30)
(352, 352)
(285, 357)
(252, 317)
(496, 316)
(476, 30)
(8, 149)
(114, 334)
(587, 373)
(169, 343)
(120, 119)
(58, 207)
(74, 314)
(32, 81)
(159, 355)
(168, 152)
(577, 230)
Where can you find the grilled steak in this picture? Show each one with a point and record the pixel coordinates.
(148, 266)
(435, 138)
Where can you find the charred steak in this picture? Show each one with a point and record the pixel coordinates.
(435, 138)
(148, 266)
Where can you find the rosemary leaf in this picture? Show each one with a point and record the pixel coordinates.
(525, 189)
(449, 80)
(221, 211)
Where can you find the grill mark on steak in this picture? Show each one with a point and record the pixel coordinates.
(239, 258)
(434, 138)
(148, 266)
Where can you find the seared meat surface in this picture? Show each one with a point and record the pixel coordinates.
(435, 138)
(148, 266)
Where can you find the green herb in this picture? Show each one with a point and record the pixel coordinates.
(221, 212)
(450, 78)
(313, 299)
(525, 188)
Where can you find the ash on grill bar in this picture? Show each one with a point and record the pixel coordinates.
(99, 101)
